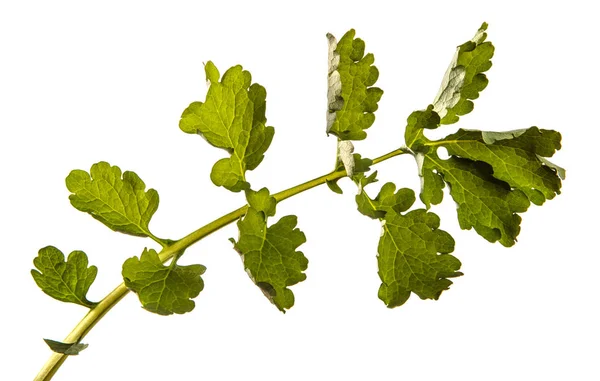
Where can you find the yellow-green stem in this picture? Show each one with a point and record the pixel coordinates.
(95, 314)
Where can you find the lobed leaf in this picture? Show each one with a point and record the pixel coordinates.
(483, 202)
(119, 202)
(463, 81)
(352, 99)
(387, 200)
(413, 257)
(416, 122)
(464, 78)
(413, 253)
(515, 157)
(164, 290)
(269, 253)
(67, 281)
(232, 118)
(492, 177)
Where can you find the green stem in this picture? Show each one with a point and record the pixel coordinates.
(389, 155)
(162, 242)
(95, 314)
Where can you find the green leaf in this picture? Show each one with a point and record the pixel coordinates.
(464, 79)
(212, 73)
(431, 188)
(387, 200)
(408, 257)
(231, 118)
(560, 171)
(163, 289)
(515, 156)
(462, 82)
(67, 281)
(262, 201)
(360, 166)
(416, 123)
(333, 185)
(269, 253)
(121, 203)
(492, 177)
(413, 253)
(352, 99)
(485, 203)
(72, 349)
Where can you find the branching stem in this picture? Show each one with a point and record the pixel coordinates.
(169, 250)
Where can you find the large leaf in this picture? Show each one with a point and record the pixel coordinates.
(233, 118)
(514, 157)
(492, 177)
(483, 202)
(269, 253)
(413, 253)
(67, 281)
(121, 203)
(163, 289)
(352, 99)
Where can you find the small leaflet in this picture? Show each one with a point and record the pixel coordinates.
(67, 281)
(72, 349)
(333, 185)
(360, 165)
(163, 289)
(415, 123)
(387, 200)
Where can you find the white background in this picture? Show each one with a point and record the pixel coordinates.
(81, 83)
